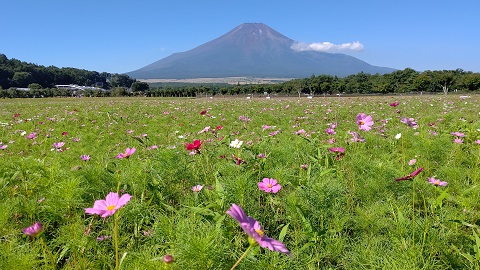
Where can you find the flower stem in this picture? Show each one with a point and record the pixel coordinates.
(115, 240)
(241, 257)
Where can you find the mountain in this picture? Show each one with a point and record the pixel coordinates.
(253, 50)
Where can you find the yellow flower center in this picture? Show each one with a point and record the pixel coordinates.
(260, 232)
(437, 182)
(362, 123)
(269, 185)
(110, 207)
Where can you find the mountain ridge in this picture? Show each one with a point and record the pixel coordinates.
(252, 50)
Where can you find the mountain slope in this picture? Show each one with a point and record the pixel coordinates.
(252, 50)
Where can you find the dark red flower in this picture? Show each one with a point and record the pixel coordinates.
(395, 104)
(219, 128)
(203, 112)
(238, 160)
(410, 176)
(195, 146)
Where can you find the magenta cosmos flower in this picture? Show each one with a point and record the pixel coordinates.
(85, 157)
(128, 152)
(254, 230)
(109, 206)
(34, 230)
(364, 122)
(269, 185)
(436, 182)
(410, 176)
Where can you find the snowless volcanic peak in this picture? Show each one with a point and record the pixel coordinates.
(253, 50)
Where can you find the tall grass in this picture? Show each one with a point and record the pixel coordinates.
(332, 212)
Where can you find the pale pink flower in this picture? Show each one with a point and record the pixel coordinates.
(330, 131)
(412, 162)
(436, 182)
(457, 140)
(58, 145)
(364, 122)
(197, 188)
(85, 157)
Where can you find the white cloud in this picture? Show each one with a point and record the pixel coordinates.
(327, 47)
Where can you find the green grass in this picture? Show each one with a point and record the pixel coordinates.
(345, 213)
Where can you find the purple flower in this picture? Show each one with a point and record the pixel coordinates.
(269, 185)
(337, 149)
(109, 206)
(34, 230)
(128, 152)
(410, 122)
(330, 131)
(85, 157)
(436, 182)
(32, 135)
(364, 122)
(254, 230)
(410, 176)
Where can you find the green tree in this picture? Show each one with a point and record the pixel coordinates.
(140, 87)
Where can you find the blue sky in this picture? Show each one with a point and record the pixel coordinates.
(122, 36)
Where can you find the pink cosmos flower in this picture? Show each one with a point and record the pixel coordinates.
(3, 146)
(255, 231)
(109, 206)
(410, 176)
(330, 131)
(197, 188)
(262, 155)
(457, 140)
(85, 157)
(128, 152)
(477, 141)
(32, 136)
(364, 122)
(394, 104)
(458, 134)
(301, 131)
(337, 149)
(412, 162)
(168, 259)
(356, 137)
(34, 230)
(410, 122)
(269, 185)
(58, 145)
(436, 182)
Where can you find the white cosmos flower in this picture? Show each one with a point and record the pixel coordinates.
(398, 136)
(236, 143)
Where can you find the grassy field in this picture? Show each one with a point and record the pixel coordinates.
(365, 183)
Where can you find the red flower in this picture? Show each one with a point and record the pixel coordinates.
(195, 146)
(203, 112)
(219, 128)
(410, 176)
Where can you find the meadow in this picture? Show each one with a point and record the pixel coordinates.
(389, 182)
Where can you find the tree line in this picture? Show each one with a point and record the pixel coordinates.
(41, 81)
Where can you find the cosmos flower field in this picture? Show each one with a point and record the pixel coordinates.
(281, 183)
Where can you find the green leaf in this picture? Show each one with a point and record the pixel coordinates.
(283, 232)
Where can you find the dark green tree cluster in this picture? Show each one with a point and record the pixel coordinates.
(18, 74)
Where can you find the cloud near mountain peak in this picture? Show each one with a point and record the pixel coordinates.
(327, 46)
